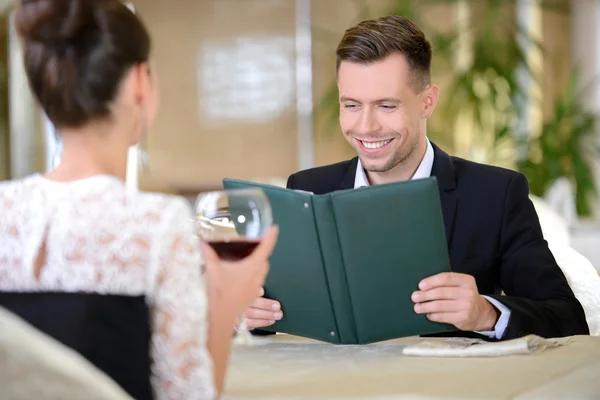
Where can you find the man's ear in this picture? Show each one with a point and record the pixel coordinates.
(430, 99)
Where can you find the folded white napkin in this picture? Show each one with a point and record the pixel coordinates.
(464, 347)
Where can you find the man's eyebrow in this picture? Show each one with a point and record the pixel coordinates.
(345, 98)
(389, 100)
(383, 100)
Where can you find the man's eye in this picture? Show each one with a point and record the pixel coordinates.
(388, 107)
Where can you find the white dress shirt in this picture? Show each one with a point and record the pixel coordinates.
(424, 171)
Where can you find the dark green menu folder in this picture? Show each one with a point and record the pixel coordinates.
(347, 262)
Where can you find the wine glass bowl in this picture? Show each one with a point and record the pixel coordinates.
(233, 222)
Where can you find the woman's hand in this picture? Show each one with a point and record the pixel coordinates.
(233, 286)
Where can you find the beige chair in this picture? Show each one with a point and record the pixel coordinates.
(554, 227)
(579, 271)
(35, 366)
(584, 281)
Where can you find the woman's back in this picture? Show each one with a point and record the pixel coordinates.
(112, 274)
(82, 234)
(115, 274)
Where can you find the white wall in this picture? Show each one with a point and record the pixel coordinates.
(585, 25)
(23, 114)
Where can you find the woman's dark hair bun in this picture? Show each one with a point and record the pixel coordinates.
(54, 21)
(76, 52)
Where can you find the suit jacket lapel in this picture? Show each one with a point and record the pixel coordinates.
(348, 181)
(443, 170)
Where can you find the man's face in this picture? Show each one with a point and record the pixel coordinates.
(381, 114)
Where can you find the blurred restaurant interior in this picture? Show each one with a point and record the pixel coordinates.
(248, 91)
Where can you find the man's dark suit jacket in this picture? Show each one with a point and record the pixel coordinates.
(493, 234)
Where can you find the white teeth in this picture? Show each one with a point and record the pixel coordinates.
(375, 145)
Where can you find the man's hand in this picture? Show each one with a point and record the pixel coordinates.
(263, 312)
(453, 298)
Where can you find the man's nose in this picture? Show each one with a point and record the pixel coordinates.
(367, 122)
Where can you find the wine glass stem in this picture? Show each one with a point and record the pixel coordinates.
(243, 332)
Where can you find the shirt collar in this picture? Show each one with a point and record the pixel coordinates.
(423, 170)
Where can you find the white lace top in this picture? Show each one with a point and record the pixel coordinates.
(95, 236)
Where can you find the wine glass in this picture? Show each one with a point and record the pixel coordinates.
(233, 222)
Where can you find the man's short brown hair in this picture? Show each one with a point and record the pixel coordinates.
(375, 39)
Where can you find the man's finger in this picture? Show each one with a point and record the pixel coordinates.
(256, 313)
(258, 323)
(266, 304)
(444, 317)
(438, 293)
(445, 279)
(439, 306)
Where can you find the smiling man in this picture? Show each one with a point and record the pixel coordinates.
(494, 236)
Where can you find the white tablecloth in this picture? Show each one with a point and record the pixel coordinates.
(286, 367)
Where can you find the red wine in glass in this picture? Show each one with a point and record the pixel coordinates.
(233, 250)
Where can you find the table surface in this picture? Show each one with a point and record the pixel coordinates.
(288, 367)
